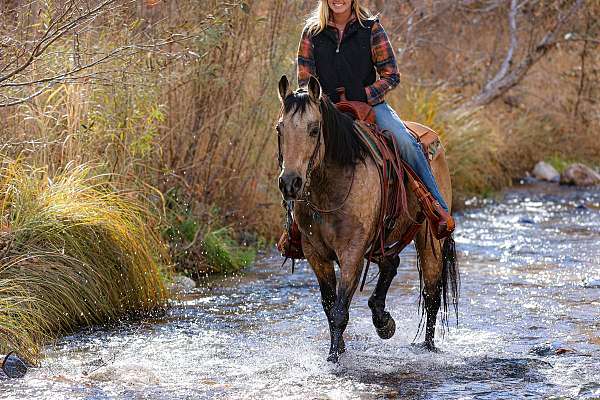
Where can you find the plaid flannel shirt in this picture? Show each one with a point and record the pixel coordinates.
(382, 55)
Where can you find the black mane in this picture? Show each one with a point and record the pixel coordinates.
(342, 145)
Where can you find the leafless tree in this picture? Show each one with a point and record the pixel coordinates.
(513, 70)
(43, 34)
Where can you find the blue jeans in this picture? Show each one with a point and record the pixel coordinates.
(410, 149)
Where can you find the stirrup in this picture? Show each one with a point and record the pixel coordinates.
(441, 221)
(290, 245)
(444, 225)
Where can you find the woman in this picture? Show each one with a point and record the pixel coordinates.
(343, 45)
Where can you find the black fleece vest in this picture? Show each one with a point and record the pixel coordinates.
(350, 65)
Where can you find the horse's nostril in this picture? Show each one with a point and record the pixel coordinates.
(290, 185)
(297, 183)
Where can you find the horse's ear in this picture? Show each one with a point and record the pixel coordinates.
(284, 88)
(314, 89)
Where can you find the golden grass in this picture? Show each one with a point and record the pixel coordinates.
(473, 144)
(73, 252)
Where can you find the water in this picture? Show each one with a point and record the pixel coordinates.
(529, 326)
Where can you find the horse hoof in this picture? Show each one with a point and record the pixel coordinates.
(430, 347)
(427, 346)
(388, 330)
(333, 358)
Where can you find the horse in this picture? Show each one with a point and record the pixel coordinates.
(324, 166)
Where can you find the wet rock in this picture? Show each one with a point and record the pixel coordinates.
(550, 349)
(580, 175)
(526, 220)
(182, 283)
(13, 366)
(545, 172)
(528, 179)
(591, 283)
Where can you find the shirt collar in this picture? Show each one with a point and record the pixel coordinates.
(352, 19)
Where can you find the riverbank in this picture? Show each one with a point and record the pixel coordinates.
(74, 252)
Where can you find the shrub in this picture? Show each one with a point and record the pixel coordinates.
(74, 252)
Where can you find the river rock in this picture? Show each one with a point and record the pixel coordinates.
(550, 349)
(591, 283)
(545, 172)
(13, 366)
(580, 175)
(182, 283)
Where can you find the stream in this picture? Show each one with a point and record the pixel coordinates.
(529, 325)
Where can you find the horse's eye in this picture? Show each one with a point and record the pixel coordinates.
(314, 131)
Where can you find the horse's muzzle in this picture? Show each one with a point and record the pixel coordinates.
(290, 185)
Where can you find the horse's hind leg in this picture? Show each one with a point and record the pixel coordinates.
(382, 320)
(430, 260)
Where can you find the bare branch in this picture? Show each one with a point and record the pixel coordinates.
(509, 74)
(26, 99)
(508, 60)
(117, 52)
(56, 29)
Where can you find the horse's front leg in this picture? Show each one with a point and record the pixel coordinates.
(325, 273)
(351, 263)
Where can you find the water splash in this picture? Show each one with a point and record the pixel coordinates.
(262, 334)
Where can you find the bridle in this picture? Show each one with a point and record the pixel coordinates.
(288, 205)
(309, 170)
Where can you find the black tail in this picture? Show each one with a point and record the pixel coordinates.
(451, 275)
(450, 279)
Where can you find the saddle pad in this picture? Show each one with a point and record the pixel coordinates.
(365, 134)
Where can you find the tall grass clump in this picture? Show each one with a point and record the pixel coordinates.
(73, 252)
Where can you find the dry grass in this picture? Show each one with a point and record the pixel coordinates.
(473, 144)
(74, 252)
(196, 118)
(200, 125)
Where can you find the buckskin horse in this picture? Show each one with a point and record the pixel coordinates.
(335, 187)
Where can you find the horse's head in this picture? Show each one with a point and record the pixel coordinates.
(300, 136)
(311, 132)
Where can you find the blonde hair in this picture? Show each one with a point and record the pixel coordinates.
(319, 18)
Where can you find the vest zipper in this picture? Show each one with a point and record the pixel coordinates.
(339, 43)
(337, 50)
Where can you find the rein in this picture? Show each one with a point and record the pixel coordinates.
(313, 207)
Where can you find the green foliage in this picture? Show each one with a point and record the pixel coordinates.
(223, 254)
(74, 252)
(182, 225)
(559, 162)
(198, 248)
